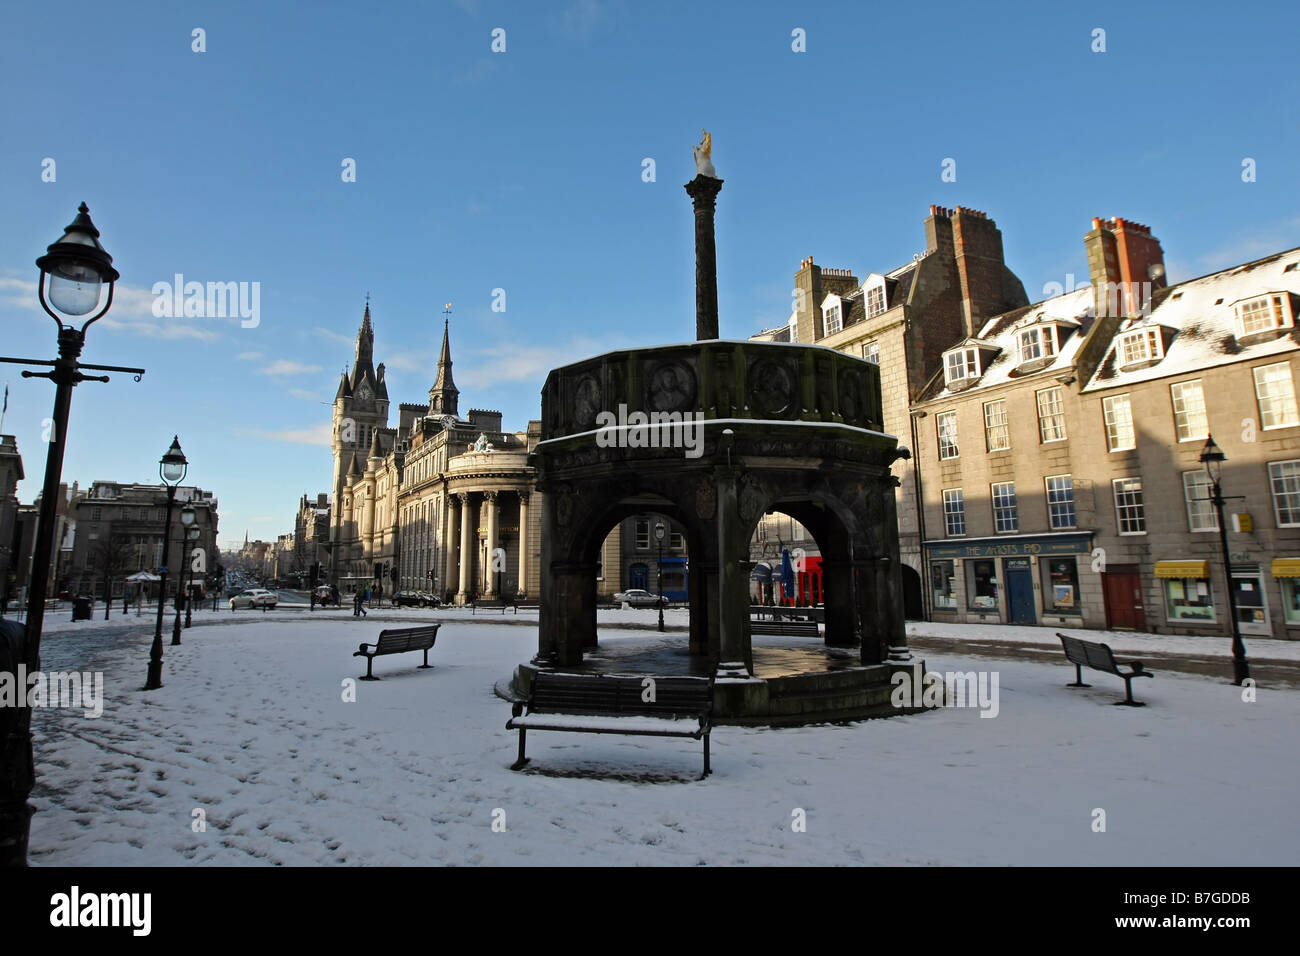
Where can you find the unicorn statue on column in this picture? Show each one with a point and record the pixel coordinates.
(704, 156)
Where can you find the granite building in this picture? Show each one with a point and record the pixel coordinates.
(1059, 451)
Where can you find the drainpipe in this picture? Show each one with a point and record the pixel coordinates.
(927, 597)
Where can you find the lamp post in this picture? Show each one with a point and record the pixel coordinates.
(171, 468)
(187, 520)
(189, 590)
(77, 266)
(1213, 458)
(659, 536)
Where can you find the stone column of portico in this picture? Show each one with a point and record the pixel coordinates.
(493, 563)
(732, 598)
(840, 609)
(449, 546)
(891, 582)
(466, 555)
(522, 586)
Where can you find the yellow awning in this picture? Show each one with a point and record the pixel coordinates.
(1182, 569)
(1286, 567)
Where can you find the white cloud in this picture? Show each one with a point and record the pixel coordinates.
(521, 362)
(288, 367)
(132, 311)
(411, 361)
(304, 394)
(320, 434)
(334, 336)
(249, 356)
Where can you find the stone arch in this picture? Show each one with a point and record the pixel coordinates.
(571, 551)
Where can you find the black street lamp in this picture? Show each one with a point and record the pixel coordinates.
(171, 468)
(189, 590)
(187, 521)
(77, 266)
(1213, 458)
(659, 536)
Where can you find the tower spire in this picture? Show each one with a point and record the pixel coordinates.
(444, 395)
(364, 369)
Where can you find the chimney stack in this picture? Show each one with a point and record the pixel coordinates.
(974, 242)
(1125, 264)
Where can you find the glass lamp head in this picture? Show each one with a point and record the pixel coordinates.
(77, 266)
(173, 465)
(1213, 458)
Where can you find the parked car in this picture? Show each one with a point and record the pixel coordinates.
(639, 598)
(430, 599)
(412, 599)
(254, 597)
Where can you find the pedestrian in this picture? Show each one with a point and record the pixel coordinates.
(359, 607)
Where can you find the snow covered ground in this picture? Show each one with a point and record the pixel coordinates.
(251, 729)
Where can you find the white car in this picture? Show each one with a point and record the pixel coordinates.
(639, 598)
(254, 597)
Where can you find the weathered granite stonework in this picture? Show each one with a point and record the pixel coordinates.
(804, 439)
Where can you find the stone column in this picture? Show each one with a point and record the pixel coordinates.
(840, 608)
(891, 582)
(450, 574)
(522, 587)
(732, 598)
(703, 191)
(490, 591)
(466, 555)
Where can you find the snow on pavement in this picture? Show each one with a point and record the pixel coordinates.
(251, 729)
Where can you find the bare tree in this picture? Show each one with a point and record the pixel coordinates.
(113, 558)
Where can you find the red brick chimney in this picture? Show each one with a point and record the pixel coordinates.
(1126, 264)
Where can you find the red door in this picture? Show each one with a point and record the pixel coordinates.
(1122, 591)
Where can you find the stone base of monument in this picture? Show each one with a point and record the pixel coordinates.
(794, 682)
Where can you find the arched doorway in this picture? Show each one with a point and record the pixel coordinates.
(913, 603)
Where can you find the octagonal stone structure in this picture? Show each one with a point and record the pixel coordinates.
(772, 426)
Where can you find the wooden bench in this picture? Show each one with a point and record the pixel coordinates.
(492, 605)
(1099, 657)
(399, 642)
(605, 704)
(777, 612)
(785, 628)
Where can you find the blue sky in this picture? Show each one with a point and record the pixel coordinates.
(522, 171)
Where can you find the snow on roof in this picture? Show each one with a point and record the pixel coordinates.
(1200, 314)
(1073, 310)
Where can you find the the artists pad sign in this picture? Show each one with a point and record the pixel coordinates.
(1017, 548)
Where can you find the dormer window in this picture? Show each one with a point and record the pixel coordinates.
(961, 364)
(832, 321)
(1265, 313)
(1140, 345)
(875, 300)
(1037, 343)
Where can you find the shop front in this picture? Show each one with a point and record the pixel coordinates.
(1022, 579)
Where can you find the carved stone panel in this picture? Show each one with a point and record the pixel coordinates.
(671, 387)
(773, 389)
(586, 403)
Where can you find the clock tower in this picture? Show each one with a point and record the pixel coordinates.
(360, 409)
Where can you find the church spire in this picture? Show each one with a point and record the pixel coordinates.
(364, 368)
(444, 395)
